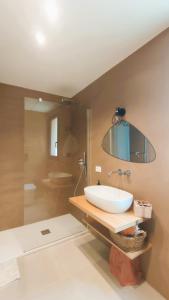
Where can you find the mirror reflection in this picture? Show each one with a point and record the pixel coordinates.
(126, 142)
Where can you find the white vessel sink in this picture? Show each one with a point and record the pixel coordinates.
(108, 198)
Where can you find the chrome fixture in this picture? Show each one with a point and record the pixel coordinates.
(81, 162)
(120, 172)
(118, 115)
(66, 101)
(127, 172)
(83, 166)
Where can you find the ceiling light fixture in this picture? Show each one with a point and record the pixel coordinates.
(40, 99)
(40, 37)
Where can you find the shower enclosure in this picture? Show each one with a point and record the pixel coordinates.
(55, 140)
(41, 144)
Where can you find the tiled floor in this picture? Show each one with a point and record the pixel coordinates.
(76, 270)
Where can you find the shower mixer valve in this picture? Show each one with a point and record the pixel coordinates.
(83, 166)
(81, 162)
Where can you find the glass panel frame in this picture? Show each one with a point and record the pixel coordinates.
(54, 132)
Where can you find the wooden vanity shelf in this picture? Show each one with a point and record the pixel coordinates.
(103, 232)
(100, 222)
(114, 222)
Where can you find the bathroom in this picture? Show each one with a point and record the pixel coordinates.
(66, 69)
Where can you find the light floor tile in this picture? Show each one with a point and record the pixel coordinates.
(76, 270)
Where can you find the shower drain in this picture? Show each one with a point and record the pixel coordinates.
(45, 231)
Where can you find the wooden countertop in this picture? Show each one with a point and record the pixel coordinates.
(114, 222)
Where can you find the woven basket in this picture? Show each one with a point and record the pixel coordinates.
(129, 244)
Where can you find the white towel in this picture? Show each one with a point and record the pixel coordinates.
(9, 271)
(9, 246)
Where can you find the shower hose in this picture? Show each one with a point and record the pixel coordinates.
(78, 182)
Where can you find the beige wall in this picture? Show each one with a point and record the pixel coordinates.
(140, 84)
(11, 161)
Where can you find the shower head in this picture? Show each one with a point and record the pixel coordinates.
(66, 101)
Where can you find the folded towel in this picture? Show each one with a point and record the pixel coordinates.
(9, 271)
(127, 271)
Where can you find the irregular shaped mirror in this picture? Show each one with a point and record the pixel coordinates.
(126, 142)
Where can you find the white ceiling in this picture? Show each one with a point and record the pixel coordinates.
(79, 40)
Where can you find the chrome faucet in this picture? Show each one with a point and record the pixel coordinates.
(127, 172)
(120, 172)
